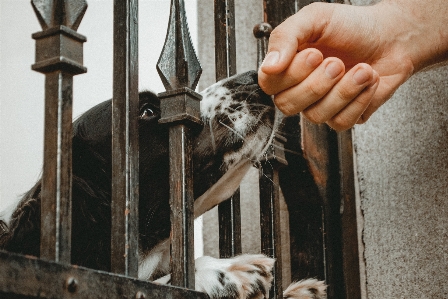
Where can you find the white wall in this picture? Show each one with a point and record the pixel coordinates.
(21, 89)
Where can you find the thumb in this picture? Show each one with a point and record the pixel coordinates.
(299, 29)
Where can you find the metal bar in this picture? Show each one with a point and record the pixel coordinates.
(270, 184)
(262, 32)
(125, 163)
(225, 66)
(59, 55)
(56, 177)
(229, 213)
(182, 206)
(350, 251)
(225, 43)
(22, 277)
(270, 210)
(320, 149)
(179, 70)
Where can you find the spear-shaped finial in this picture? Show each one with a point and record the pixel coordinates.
(178, 65)
(52, 13)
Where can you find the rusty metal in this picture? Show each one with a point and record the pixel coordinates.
(59, 55)
(270, 184)
(350, 251)
(225, 66)
(23, 277)
(125, 162)
(270, 210)
(179, 70)
(229, 213)
(262, 31)
(320, 149)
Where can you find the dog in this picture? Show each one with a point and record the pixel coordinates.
(240, 121)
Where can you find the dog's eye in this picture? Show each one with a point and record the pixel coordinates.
(147, 114)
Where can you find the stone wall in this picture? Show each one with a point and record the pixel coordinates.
(402, 166)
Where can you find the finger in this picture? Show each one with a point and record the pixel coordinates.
(303, 64)
(285, 39)
(350, 115)
(386, 89)
(312, 89)
(344, 92)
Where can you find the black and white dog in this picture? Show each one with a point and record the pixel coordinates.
(239, 123)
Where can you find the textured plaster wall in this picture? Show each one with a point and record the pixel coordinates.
(402, 166)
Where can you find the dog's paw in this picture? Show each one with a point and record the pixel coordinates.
(241, 277)
(306, 289)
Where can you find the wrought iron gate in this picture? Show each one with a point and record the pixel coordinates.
(331, 236)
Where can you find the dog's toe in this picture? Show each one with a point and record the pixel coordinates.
(241, 277)
(306, 289)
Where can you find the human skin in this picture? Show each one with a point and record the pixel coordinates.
(337, 64)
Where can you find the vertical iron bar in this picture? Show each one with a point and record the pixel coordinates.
(350, 251)
(182, 206)
(59, 55)
(56, 176)
(179, 70)
(225, 66)
(270, 210)
(270, 185)
(125, 162)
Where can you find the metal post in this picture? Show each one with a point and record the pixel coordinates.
(59, 55)
(179, 70)
(270, 185)
(225, 65)
(125, 159)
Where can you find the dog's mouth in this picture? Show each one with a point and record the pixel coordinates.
(239, 124)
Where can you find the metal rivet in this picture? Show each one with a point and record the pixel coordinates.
(140, 295)
(71, 284)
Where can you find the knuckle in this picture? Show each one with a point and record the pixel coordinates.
(315, 91)
(341, 123)
(265, 86)
(285, 106)
(314, 116)
(345, 94)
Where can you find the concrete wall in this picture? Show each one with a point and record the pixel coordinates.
(402, 166)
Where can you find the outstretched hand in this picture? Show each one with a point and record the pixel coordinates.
(339, 63)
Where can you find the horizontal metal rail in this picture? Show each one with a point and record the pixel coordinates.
(25, 277)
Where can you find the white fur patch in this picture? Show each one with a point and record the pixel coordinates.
(306, 289)
(244, 276)
(156, 262)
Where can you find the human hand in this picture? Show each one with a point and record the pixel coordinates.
(339, 63)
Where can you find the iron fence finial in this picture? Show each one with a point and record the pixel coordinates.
(178, 65)
(52, 13)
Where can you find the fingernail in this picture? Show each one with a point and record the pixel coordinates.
(313, 60)
(271, 58)
(333, 70)
(361, 76)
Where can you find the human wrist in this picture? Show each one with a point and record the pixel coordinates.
(417, 28)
